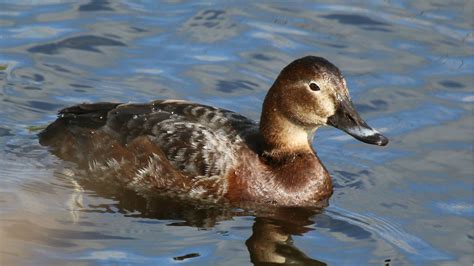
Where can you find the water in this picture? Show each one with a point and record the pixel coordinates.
(409, 66)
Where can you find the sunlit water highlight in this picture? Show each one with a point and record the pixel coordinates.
(409, 65)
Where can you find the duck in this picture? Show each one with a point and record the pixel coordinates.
(199, 152)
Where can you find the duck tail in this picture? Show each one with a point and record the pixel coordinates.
(64, 135)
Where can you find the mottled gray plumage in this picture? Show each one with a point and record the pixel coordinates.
(198, 140)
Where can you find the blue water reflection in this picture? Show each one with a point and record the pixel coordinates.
(409, 66)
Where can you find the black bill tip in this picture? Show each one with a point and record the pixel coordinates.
(368, 135)
(377, 139)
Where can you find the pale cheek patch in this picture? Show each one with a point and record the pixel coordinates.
(326, 105)
(363, 132)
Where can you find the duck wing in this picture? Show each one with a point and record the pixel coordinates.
(194, 139)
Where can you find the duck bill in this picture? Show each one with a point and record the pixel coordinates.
(348, 120)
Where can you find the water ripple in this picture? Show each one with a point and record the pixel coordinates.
(389, 231)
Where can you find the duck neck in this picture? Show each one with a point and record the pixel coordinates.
(281, 136)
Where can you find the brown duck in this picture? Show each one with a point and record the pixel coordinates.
(194, 151)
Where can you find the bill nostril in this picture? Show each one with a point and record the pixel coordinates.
(352, 119)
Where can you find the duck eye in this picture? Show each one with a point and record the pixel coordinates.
(314, 87)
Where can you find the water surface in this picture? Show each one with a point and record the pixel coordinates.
(409, 66)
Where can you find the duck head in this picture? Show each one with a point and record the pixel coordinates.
(311, 92)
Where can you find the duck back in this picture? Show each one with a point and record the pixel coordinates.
(164, 141)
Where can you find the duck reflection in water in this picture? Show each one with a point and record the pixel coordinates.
(271, 240)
